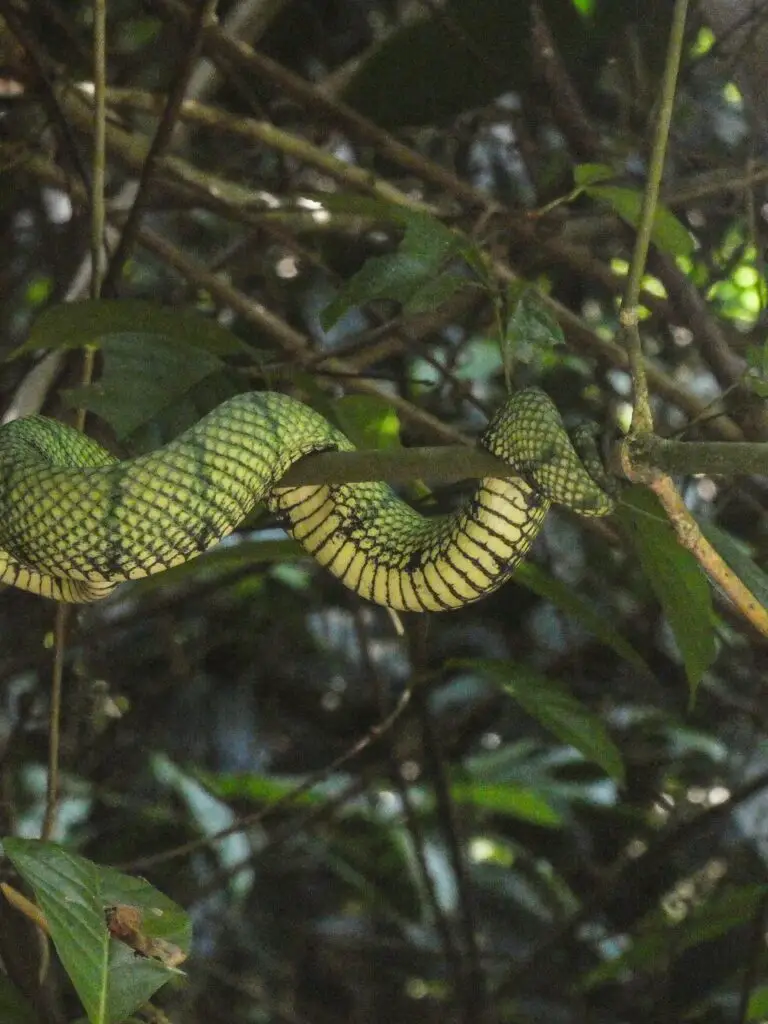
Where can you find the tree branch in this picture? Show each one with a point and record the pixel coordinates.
(642, 418)
(450, 463)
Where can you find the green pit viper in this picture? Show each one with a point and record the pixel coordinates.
(75, 521)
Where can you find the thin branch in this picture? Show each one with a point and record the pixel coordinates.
(630, 872)
(642, 419)
(99, 145)
(473, 990)
(412, 819)
(296, 344)
(450, 463)
(567, 108)
(690, 536)
(98, 178)
(244, 205)
(288, 798)
(134, 149)
(54, 720)
(715, 458)
(204, 16)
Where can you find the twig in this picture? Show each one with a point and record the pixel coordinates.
(568, 110)
(579, 334)
(691, 537)
(441, 919)
(642, 418)
(99, 146)
(98, 177)
(289, 339)
(474, 990)
(205, 15)
(249, 820)
(54, 720)
(628, 872)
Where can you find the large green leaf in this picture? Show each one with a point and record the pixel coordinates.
(676, 578)
(73, 894)
(556, 710)
(668, 233)
(90, 322)
(143, 374)
(579, 608)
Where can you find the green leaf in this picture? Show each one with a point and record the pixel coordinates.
(529, 323)
(368, 421)
(14, 1007)
(668, 233)
(426, 245)
(508, 798)
(73, 894)
(650, 952)
(676, 578)
(590, 174)
(586, 614)
(438, 290)
(556, 710)
(76, 324)
(259, 789)
(143, 374)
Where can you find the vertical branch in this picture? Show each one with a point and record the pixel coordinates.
(99, 144)
(442, 925)
(473, 990)
(683, 522)
(205, 16)
(97, 274)
(642, 419)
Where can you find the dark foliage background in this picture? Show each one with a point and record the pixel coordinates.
(467, 865)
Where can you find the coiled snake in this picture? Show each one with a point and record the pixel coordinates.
(75, 521)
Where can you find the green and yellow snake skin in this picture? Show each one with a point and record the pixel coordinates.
(75, 521)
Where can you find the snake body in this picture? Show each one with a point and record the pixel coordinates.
(75, 521)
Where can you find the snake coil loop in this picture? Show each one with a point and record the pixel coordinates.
(76, 522)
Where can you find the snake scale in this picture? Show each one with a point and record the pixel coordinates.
(75, 521)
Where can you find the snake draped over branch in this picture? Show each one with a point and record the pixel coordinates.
(75, 521)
